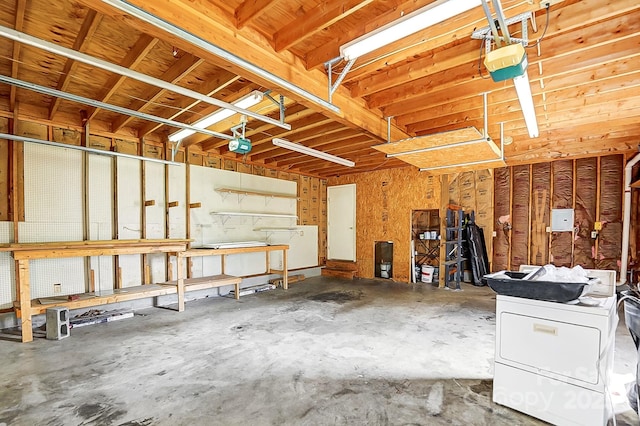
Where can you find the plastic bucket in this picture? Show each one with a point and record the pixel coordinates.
(427, 274)
(385, 268)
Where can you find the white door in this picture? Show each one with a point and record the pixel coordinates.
(341, 222)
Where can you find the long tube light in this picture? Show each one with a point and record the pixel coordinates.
(523, 89)
(312, 152)
(244, 102)
(418, 20)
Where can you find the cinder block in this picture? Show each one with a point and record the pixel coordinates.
(57, 323)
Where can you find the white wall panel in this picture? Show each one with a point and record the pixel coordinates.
(100, 199)
(7, 287)
(155, 217)
(53, 212)
(129, 218)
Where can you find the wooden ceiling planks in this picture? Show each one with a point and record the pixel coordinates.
(585, 76)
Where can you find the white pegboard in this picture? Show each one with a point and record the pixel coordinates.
(131, 268)
(68, 272)
(177, 192)
(129, 199)
(7, 286)
(100, 195)
(154, 190)
(52, 185)
(42, 232)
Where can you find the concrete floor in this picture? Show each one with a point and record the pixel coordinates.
(325, 352)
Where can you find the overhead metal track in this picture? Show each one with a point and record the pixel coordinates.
(92, 102)
(117, 69)
(217, 51)
(17, 138)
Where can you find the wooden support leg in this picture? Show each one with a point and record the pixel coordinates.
(237, 291)
(285, 272)
(25, 300)
(180, 264)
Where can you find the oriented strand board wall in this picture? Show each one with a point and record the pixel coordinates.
(592, 187)
(474, 192)
(385, 200)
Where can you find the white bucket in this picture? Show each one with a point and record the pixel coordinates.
(385, 268)
(427, 274)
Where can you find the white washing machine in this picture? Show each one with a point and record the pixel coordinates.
(553, 361)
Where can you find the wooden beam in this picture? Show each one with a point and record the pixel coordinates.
(175, 73)
(254, 48)
(315, 20)
(210, 88)
(88, 29)
(15, 57)
(134, 56)
(249, 10)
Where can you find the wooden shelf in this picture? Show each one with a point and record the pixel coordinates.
(203, 283)
(635, 184)
(256, 193)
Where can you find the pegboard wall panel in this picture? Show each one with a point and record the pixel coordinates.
(7, 287)
(102, 267)
(49, 232)
(154, 190)
(129, 199)
(130, 270)
(52, 185)
(177, 193)
(100, 197)
(68, 272)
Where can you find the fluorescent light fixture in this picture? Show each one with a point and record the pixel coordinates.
(526, 103)
(245, 102)
(312, 152)
(510, 62)
(420, 19)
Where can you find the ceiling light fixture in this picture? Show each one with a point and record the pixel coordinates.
(420, 19)
(312, 152)
(244, 102)
(510, 62)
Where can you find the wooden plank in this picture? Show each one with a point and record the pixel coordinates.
(84, 36)
(118, 295)
(315, 20)
(251, 9)
(24, 290)
(15, 57)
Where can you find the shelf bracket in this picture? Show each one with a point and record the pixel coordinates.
(332, 87)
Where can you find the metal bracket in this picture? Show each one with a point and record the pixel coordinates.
(486, 32)
(280, 103)
(329, 66)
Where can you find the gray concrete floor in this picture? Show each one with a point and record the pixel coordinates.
(325, 352)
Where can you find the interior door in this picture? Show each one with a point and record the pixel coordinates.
(341, 222)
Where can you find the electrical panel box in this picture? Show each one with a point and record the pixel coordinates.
(561, 220)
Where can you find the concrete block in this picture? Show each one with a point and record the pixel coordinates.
(57, 323)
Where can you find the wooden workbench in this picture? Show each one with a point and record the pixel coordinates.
(222, 252)
(23, 253)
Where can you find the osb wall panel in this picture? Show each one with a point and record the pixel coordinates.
(561, 242)
(610, 244)
(520, 217)
(585, 211)
(540, 213)
(502, 217)
(473, 191)
(385, 199)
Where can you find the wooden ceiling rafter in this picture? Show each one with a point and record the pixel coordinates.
(134, 56)
(249, 10)
(210, 88)
(87, 30)
(325, 14)
(21, 6)
(180, 69)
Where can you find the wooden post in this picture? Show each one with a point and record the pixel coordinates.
(285, 272)
(22, 276)
(92, 281)
(143, 212)
(180, 261)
